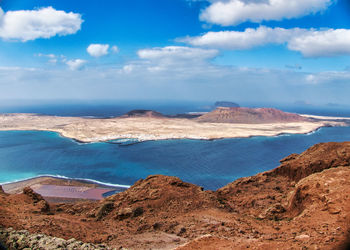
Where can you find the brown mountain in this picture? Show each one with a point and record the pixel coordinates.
(249, 115)
(302, 204)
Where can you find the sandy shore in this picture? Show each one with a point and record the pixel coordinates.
(151, 128)
(328, 118)
(57, 189)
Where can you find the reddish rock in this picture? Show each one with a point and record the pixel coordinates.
(31, 194)
(315, 159)
(249, 115)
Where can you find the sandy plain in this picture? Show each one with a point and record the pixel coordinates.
(151, 128)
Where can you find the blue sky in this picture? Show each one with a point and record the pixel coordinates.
(265, 50)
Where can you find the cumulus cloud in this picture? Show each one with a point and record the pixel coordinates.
(76, 64)
(25, 25)
(318, 43)
(98, 50)
(238, 40)
(233, 12)
(311, 43)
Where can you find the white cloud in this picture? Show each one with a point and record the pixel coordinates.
(177, 53)
(115, 49)
(314, 43)
(128, 68)
(311, 43)
(52, 58)
(76, 64)
(25, 25)
(247, 39)
(233, 12)
(174, 58)
(98, 50)
(327, 77)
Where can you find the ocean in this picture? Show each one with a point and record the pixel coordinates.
(210, 164)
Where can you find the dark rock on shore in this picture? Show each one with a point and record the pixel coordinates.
(143, 113)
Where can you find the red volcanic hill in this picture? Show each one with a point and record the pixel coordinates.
(249, 115)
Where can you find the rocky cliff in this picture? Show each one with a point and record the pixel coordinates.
(302, 204)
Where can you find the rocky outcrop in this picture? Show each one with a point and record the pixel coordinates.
(322, 191)
(315, 159)
(16, 240)
(157, 194)
(249, 116)
(41, 204)
(255, 194)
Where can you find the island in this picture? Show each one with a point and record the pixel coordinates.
(144, 125)
(226, 104)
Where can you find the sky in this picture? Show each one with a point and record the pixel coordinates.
(268, 51)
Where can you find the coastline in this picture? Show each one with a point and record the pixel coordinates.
(59, 188)
(87, 130)
(16, 186)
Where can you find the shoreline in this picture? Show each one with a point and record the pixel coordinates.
(21, 183)
(62, 189)
(86, 130)
(61, 177)
(59, 188)
(141, 138)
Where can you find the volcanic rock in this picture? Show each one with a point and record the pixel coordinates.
(164, 193)
(249, 116)
(104, 209)
(315, 159)
(32, 195)
(322, 191)
(143, 113)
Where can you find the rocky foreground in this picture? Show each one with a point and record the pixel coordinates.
(302, 204)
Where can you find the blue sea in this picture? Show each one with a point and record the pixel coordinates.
(210, 164)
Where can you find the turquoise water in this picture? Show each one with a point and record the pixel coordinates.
(211, 164)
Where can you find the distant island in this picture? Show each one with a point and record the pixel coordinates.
(143, 125)
(226, 104)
